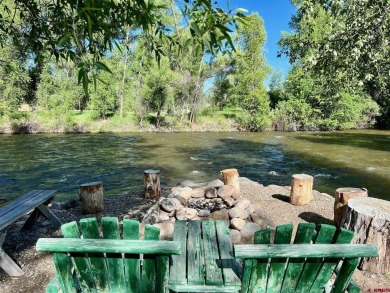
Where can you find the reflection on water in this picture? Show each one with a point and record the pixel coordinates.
(63, 162)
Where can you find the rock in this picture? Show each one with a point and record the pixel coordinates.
(163, 216)
(242, 204)
(71, 203)
(166, 230)
(216, 183)
(249, 230)
(172, 194)
(253, 207)
(226, 190)
(186, 214)
(170, 204)
(238, 213)
(228, 201)
(204, 213)
(198, 193)
(259, 218)
(235, 236)
(237, 223)
(211, 192)
(186, 193)
(182, 200)
(220, 215)
(56, 206)
(236, 196)
(176, 190)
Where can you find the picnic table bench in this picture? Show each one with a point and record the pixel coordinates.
(206, 262)
(36, 200)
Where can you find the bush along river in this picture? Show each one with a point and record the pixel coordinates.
(64, 161)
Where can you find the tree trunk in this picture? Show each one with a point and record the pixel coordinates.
(230, 177)
(342, 196)
(152, 184)
(91, 197)
(369, 219)
(301, 189)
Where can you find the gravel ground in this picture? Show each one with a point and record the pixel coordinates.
(39, 268)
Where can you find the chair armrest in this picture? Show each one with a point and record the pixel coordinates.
(54, 285)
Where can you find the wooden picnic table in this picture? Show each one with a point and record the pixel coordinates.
(36, 201)
(206, 262)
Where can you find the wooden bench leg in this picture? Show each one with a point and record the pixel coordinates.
(48, 214)
(6, 263)
(31, 220)
(44, 211)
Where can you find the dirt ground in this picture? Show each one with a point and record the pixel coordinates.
(39, 268)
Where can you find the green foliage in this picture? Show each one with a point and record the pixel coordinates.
(344, 42)
(14, 80)
(311, 105)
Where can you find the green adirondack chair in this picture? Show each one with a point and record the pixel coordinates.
(307, 265)
(86, 263)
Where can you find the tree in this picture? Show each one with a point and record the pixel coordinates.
(251, 70)
(345, 41)
(69, 29)
(276, 90)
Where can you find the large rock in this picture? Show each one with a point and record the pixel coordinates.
(235, 236)
(170, 204)
(204, 213)
(216, 183)
(249, 230)
(237, 223)
(226, 190)
(163, 216)
(228, 201)
(166, 230)
(242, 203)
(186, 192)
(238, 213)
(220, 215)
(186, 214)
(198, 193)
(182, 200)
(211, 192)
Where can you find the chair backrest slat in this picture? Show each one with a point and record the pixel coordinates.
(84, 272)
(148, 275)
(90, 230)
(325, 235)
(132, 261)
(64, 272)
(329, 265)
(304, 234)
(283, 235)
(256, 271)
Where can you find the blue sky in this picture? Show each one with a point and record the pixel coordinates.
(276, 15)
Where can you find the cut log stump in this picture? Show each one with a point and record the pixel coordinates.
(369, 219)
(152, 186)
(342, 195)
(91, 197)
(301, 189)
(230, 177)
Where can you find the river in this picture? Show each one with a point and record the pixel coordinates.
(64, 161)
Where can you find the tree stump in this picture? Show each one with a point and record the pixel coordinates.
(301, 189)
(369, 219)
(91, 197)
(152, 184)
(230, 177)
(342, 196)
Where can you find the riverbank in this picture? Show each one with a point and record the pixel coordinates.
(272, 199)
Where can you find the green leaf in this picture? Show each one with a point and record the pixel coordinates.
(102, 66)
(196, 29)
(85, 83)
(63, 40)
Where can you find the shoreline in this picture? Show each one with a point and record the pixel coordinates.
(273, 200)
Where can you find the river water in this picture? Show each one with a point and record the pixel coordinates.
(64, 161)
